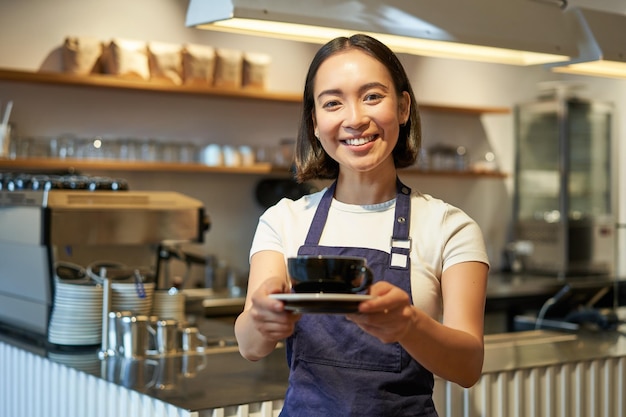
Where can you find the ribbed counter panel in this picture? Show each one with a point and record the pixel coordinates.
(595, 388)
(583, 376)
(34, 386)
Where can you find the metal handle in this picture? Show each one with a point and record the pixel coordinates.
(106, 308)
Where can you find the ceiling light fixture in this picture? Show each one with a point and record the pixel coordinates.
(521, 33)
(602, 47)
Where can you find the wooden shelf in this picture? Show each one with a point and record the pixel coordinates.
(112, 82)
(86, 165)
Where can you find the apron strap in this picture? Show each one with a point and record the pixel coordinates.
(400, 240)
(321, 214)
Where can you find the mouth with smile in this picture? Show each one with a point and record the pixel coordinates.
(360, 141)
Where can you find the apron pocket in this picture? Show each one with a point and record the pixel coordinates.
(333, 341)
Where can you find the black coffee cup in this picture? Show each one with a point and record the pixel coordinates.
(329, 274)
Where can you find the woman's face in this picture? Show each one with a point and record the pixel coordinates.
(357, 112)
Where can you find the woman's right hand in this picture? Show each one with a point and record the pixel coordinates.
(269, 316)
(264, 321)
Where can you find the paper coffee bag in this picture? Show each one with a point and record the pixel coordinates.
(228, 68)
(127, 59)
(165, 62)
(198, 64)
(255, 70)
(82, 55)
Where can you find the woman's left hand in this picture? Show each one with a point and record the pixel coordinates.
(388, 315)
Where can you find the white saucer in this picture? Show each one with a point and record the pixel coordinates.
(322, 302)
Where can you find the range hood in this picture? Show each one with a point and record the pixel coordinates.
(516, 32)
(602, 48)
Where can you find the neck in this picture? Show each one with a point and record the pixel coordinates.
(366, 189)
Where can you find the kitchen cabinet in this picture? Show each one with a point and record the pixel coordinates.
(109, 82)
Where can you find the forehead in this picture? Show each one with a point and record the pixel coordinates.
(351, 66)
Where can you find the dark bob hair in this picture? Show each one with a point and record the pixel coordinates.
(311, 161)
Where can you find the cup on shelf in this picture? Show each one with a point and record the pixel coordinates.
(212, 155)
(128, 149)
(169, 152)
(232, 156)
(285, 156)
(33, 147)
(187, 153)
(248, 156)
(90, 148)
(149, 150)
(266, 153)
(63, 146)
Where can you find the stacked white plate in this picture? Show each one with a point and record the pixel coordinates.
(169, 305)
(76, 318)
(130, 296)
(85, 361)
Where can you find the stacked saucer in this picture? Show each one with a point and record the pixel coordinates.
(169, 304)
(134, 297)
(76, 318)
(88, 362)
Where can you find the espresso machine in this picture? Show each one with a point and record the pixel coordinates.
(50, 220)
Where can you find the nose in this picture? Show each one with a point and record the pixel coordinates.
(356, 117)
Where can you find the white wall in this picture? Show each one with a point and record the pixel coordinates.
(31, 34)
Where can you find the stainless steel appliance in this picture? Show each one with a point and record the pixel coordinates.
(563, 186)
(45, 220)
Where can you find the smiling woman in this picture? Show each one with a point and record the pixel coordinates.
(357, 121)
(423, 313)
(380, 88)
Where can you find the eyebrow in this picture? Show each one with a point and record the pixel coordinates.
(363, 88)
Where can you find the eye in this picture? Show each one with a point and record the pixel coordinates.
(373, 97)
(331, 104)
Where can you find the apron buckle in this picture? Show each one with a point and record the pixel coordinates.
(400, 250)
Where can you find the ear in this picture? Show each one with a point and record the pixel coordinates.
(404, 107)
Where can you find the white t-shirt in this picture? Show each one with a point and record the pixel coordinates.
(442, 235)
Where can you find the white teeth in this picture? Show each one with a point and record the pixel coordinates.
(359, 141)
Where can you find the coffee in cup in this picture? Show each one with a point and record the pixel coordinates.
(329, 274)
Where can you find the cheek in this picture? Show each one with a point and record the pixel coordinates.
(328, 123)
(391, 120)
(390, 124)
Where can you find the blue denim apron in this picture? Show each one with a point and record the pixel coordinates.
(336, 369)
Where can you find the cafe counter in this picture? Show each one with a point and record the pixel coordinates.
(543, 373)
(46, 381)
(540, 373)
